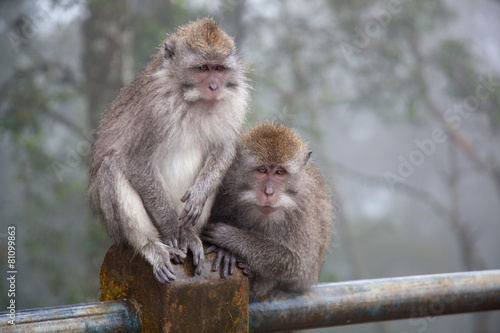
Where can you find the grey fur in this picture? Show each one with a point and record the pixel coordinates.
(284, 250)
(155, 144)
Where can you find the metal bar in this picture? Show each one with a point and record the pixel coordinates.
(116, 316)
(363, 301)
(328, 304)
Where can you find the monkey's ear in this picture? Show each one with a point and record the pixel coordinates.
(169, 50)
(308, 156)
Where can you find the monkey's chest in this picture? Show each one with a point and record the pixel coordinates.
(180, 167)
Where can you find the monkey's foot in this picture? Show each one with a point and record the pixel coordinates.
(176, 254)
(158, 255)
(188, 240)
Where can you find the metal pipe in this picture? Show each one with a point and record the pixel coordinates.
(327, 304)
(116, 316)
(363, 301)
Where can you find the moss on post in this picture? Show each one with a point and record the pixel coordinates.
(206, 303)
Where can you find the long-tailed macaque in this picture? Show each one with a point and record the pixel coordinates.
(273, 213)
(164, 144)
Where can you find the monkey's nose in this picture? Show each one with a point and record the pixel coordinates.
(213, 86)
(269, 191)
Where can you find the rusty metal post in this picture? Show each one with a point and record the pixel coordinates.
(120, 316)
(363, 301)
(206, 303)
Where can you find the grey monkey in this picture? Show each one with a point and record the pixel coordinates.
(164, 144)
(273, 214)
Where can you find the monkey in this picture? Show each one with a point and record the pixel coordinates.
(164, 144)
(273, 214)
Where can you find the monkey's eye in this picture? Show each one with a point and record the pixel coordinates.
(203, 68)
(219, 68)
(262, 170)
(280, 172)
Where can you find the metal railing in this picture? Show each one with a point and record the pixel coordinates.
(328, 304)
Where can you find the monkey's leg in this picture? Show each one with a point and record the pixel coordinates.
(143, 236)
(135, 225)
(152, 190)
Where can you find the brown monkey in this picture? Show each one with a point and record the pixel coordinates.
(164, 144)
(273, 212)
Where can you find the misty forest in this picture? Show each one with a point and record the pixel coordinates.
(399, 100)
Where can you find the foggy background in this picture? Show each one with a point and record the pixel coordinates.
(400, 101)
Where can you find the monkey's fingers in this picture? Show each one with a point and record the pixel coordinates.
(245, 269)
(183, 248)
(190, 217)
(185, 213)
(175, 251)
(198, 257)
(193, 216)
(218, 260)
(248, 273)
(164, 274)
(186, 196)
(196, 216)
(176, 254)
(226, 268)
(178, 258)
(232, 264)
(172, 245)
(211, 248)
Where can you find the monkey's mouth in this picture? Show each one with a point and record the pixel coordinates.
(209, 101)
(266, 210)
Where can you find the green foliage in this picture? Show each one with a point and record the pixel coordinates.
(23, 100)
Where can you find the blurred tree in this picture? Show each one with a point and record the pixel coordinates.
(107, 46)
(36, 91)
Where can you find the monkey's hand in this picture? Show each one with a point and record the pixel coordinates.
(225, 257)
(219, 233)
(244, 267)
(193, 208)
(189, 240)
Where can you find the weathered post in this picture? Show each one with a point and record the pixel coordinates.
(206, 303)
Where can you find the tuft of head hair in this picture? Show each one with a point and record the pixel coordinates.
(205, 37)
(274, 143)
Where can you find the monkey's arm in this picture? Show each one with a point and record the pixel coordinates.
(208, 179)
(262, 255)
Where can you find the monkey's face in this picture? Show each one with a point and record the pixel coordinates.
(209, 81)
(269, 180)
(210, 78)
(267, 193)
